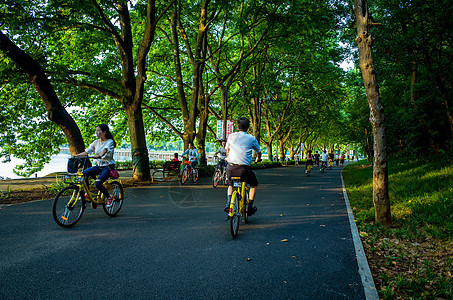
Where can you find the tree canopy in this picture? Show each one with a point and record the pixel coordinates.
(167, 71)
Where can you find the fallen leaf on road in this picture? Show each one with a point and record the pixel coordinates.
(284, 240)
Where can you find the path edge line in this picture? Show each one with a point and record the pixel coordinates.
(362, 262)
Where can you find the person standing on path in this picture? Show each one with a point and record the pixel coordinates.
(240, 146)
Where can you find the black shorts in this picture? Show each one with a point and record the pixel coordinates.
(243, 171)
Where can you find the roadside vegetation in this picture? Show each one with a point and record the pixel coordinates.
(414, 258)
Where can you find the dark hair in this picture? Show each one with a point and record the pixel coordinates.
(243, 124)
(105, 128)
(176, 155)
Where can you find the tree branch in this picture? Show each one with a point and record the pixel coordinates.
(175, 130)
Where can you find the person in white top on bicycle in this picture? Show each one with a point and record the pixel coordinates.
(324, 158)
(222, 155)
(103, 149)
(240, 146)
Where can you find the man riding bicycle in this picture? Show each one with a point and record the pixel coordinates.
(222, 155)
(239, 148)
(324, 157)
(316, 159)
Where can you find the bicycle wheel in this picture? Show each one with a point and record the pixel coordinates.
(246, 206)
(184, 176)
(194, 175)
(68, 206)
(215, 178)
(234, 220)
(115, 188)
(225, 178)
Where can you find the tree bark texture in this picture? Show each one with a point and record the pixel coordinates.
(133, 85)
(55, 110)
(380, 169)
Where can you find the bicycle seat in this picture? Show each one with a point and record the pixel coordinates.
(237, 181)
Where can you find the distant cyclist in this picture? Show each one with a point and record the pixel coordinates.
(324, 157)
(240, 146)
(316, 155)
(331, 158)
(222, 155)
(309, 161)
(193, 155)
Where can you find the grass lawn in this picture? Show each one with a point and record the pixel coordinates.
(414, 258)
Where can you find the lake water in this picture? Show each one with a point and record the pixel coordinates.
(58, 163)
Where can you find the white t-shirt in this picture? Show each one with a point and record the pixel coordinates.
(97, 146)
(324, 156)
(241, 145)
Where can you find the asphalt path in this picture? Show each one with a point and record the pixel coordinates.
(172, 242)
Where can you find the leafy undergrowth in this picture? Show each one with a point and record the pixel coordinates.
(413, 259)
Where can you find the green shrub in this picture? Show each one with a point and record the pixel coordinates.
(55, 187)
(266, 164)
(206, 171)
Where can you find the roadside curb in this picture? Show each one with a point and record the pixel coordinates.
(362, 262)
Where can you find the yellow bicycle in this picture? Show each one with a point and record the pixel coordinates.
(70, 202)
(239, 205)
(308, 169)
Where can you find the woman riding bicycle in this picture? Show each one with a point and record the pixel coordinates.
(193, 155)
(103, 149)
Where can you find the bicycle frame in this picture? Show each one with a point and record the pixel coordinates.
(241, 188)
(83, 185)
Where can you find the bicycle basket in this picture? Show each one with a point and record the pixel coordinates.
(73, 178)
(73, 164)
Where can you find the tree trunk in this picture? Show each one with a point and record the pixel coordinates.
(133, 84)
(380, 170)
(139, 151)
(55, 111)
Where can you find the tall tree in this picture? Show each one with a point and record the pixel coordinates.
(380, 168)
(55, 110)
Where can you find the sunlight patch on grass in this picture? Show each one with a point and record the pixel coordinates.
(413, 258)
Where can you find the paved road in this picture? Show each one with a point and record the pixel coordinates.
(172, 242)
